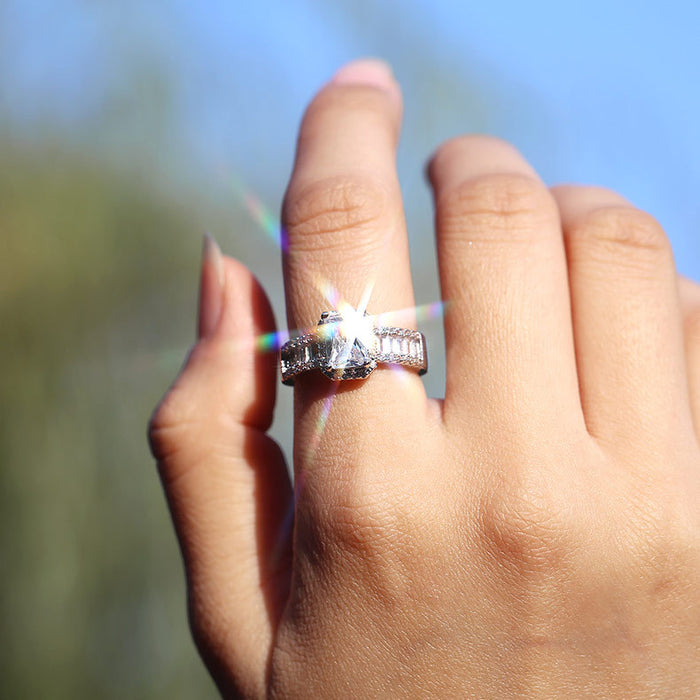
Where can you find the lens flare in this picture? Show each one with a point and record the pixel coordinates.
(320, 426)
(428, 312)
(411, 314)
(271, 342)
(258, 212)
(329, 292)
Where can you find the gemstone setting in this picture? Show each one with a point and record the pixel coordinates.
(348, 344)
(348, 340)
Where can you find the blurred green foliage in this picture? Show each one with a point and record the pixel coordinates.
(101, 220)
(95, 322)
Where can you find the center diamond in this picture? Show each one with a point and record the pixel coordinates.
(347, 353)
(349, 337)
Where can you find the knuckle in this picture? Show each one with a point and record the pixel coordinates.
(378, 545)
(366, 521)
(523, 531)
(362, 530)
(343, 211)
(666, 545)
(369, 523)
(169, 424)
(621, 230)
(506, 206)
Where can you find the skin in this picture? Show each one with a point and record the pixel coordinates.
(534, 534)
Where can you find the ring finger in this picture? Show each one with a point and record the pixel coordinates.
(346, 241)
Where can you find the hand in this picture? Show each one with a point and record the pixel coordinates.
(537, 533)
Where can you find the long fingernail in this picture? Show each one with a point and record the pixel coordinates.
(211, 287)
(366, 71)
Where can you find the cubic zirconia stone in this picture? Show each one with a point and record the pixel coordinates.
(347, 354)
(385, 345)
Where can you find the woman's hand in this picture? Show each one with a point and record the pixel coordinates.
(537, 533)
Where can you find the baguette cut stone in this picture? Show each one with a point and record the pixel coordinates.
(349, 344)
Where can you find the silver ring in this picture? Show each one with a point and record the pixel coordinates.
(349, 345)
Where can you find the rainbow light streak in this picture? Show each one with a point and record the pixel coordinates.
(401, 373)
(321, 421)
(267, 221)
(427, 312)
(314, 442)
(364, 301)
(263, 216)
(271, 342)
(407, 316)
(328, 290)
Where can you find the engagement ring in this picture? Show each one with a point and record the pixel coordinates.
(349, 345)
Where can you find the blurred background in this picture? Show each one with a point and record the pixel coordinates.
(127, 130)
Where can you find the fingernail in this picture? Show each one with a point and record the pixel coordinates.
(366, 71)
(211, 287)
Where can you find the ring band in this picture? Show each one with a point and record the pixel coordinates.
(350, 346)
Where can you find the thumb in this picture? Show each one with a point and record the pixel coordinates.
(225, 480)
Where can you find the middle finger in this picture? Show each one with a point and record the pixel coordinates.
(510, 353)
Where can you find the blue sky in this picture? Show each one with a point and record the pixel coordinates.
(597, 92)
